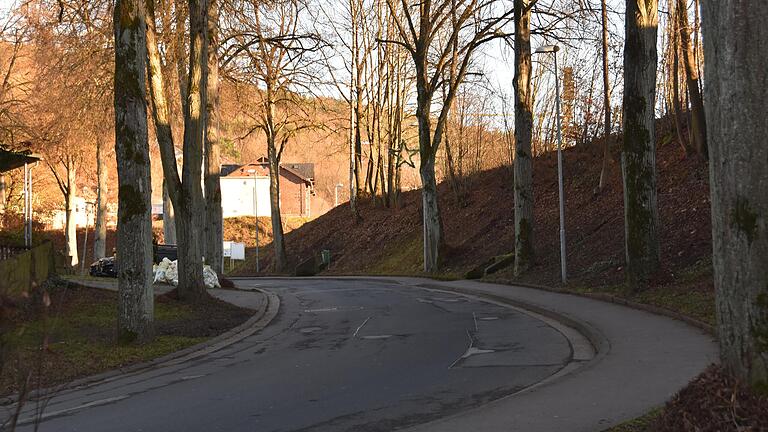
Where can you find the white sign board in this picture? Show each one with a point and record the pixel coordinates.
(237, 251)
(227, 249)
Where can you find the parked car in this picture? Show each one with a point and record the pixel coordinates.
(105, 267)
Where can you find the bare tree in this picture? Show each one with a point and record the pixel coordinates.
(734, 45)
(463, 26)
(606, 96)
(278, 56)
(698, 119)
(639, 147)
(134, 231)
(673, 75)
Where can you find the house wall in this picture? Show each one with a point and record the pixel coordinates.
(291, 195)
(237, 196)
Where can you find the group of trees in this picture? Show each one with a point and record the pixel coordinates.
(409, 74)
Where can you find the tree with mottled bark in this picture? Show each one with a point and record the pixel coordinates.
(102, 180)
(134, 223)
(441, 38)
(214, 223)
(638, 156)
(523, 160)
(735, 47)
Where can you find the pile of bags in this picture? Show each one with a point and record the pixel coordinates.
(167, 272)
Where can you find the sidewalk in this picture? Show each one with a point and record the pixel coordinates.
(253, 300)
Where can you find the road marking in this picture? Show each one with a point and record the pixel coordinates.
(331, 309)
(191, 377)
(473, 351)
(361, 326)
(474, 318)
(471, 342)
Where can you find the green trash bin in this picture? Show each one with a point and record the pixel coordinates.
(325, 257)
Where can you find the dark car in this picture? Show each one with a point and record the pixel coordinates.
(105, 267)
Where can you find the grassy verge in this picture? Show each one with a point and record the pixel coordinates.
(75, 335)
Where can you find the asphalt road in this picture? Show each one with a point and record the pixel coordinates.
(340, 356)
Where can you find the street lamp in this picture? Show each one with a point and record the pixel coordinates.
(336, 194)
(553, 49)
(256, 213)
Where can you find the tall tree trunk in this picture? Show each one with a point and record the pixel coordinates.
(2, 200)
(639, 146)
(70, 229)
(169, 217)
(161, 117)
(606, 99)
(524, 253)
(134, 222)
(102, 175)
(433, 224)
(431, 220)
(359, 179)
(278, 239)
(214, 235)
(191, 211)
(352, 124)
(676, 107)
(698, 119)
(735, 48)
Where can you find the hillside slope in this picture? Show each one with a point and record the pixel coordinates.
(388, 241)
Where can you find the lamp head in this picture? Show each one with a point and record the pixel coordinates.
(548, 49)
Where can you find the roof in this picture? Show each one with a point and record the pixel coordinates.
(305, 171)
(16, 159)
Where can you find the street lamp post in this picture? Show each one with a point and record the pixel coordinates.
(553, 49)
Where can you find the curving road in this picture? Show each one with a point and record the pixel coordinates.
(342, 355)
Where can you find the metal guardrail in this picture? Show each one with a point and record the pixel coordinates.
(7, 252)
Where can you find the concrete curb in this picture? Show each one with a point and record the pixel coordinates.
(261, 319)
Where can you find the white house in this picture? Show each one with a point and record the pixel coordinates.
(245, 189)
